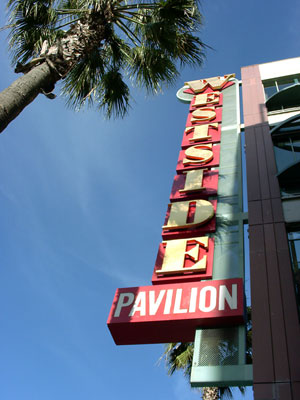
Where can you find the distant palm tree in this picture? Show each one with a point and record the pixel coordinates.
(179, 356)
(106, 44)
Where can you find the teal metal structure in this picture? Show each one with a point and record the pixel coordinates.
(219, 354)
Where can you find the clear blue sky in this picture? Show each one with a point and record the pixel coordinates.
(82, 205)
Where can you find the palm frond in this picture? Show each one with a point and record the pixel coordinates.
(33, 22)
(144, 40)
(249, 359)
(7, 27)
(179, 356)
(83, 79)
(113, 94)
(117, 51)
(182, 13)
(130, 35)
(151, 68)
(189, 49)
(226, 392)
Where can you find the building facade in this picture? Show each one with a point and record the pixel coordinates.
(271, 103)
(198, 278)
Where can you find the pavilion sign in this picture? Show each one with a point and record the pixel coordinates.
(179, 301)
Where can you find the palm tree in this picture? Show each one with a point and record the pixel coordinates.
(95, 47)
(179, 356)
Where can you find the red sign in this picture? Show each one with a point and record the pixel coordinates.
(209, 85)
(194, 226)
(214, 99)
(184, 260)
(198, 156)
(207, 99)
(204, 115)
(207, 186)
(171, 313)
(179, 302)
(207, 133)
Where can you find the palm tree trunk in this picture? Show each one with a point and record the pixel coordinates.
(82, 36)
(210, 393)
(23, 91)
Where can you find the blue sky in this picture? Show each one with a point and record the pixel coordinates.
(82, 205)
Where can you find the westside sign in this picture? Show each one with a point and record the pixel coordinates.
(179, 300)
(171, 313)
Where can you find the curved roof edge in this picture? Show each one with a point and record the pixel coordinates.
(283, 123)
(289, 97)
(289, 175)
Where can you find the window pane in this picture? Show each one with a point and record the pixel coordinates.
(296, 244)
(290, 191)
(269, 91)
(272, 86)
(296, 147)
(283, 154)
(285, 82)
(284, 85)
(295, 258)
(294, 235)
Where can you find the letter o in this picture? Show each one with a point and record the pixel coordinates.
(213, 299)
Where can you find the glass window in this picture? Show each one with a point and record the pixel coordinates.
(294, 243)
(287, 150)
(283, 155)
(290, 191)
(296, 147)
(285, 82)
(269, 91)
(273, 86)
(286, 139)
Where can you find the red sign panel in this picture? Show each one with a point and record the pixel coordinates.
(208, 187)
(189, 231)
(192, 261)
(179, 300)
(209, 89)
(198, 156)
(204, 115)
(209, 99)
(190, 136)
(171, 313)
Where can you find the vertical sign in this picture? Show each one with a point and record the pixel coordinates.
(178, 301)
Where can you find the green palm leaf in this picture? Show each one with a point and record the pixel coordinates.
(149, 67)
(98, 47)
(113, 93)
